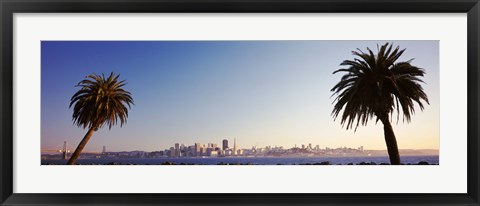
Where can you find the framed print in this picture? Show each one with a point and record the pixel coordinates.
(239, 102)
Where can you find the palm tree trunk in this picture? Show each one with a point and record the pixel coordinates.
(391, 142)
(76, 154)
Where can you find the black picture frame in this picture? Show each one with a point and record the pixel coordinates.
(10, 7)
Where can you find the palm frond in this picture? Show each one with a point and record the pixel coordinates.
(100, 101)
(376, 86)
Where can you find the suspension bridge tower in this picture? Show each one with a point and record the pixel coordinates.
(64, 151)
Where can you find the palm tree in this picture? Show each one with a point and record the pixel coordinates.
(100, 101)
(376, 86)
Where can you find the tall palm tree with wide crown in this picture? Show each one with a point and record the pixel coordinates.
(100, 101)
(376, 86)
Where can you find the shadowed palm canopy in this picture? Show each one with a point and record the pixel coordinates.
(100, 101)
(377, 85)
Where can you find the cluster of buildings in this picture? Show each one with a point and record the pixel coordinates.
(224, 150)
(202, 150)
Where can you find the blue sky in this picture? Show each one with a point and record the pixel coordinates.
(259, 92)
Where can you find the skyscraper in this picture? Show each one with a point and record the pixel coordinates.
(234, 146)
(224, 144)
(104, 150)
(177, 150)
(197, 149)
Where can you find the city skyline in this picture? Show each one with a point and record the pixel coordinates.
(259, 92)
(224, 146)
(213, 150)
(302, 145)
